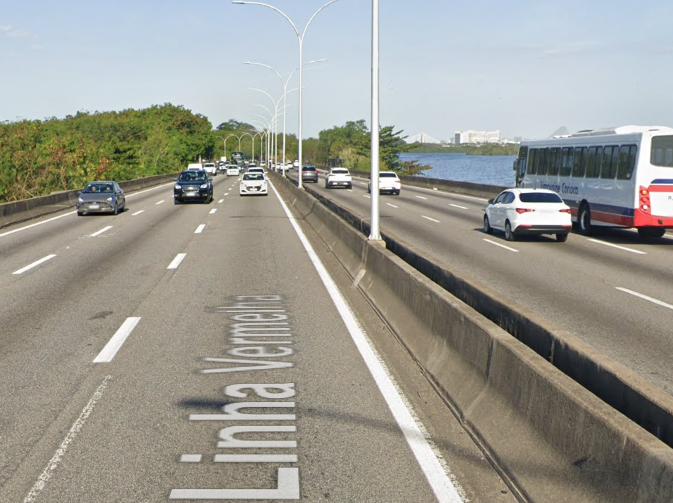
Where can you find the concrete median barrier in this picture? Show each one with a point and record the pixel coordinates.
(550, 436)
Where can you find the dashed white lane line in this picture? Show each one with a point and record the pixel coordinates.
(367, 196)
(431, 219)
(160, 202)
(63, 448)
(459, 206)
(502, 246)
(34, 264)
(420, 197)
(220, 201)
(176, 261)
(118, 339)
(392, 205)
(137, 213)
(645, 297)
(617, 246)
(212, 212)
(199, 229)
(98, 233)
(430, 462)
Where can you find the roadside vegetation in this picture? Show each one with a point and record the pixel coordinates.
(485, 149)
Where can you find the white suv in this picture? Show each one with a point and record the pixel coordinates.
(388, 182)
(210, 168)
(338, 177)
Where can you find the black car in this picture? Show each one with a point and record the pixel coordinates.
(101, 197)
(309, 173)
(193, 185)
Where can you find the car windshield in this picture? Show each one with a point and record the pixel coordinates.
(192, 176)
(540, 197)
(384, 174)
(253, 176)
(94, 188)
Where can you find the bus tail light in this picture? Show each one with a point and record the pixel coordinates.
(645, 200)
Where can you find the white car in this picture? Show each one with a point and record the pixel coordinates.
(338, 177)
(528, 211)
(389, 183)
(233, 170)
(210, 168)
(253, 184)
(255, 169)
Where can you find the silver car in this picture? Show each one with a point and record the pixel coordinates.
(101, 197)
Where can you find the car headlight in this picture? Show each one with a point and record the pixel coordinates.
(109, 199)
(204, 186)
(178, 186)
(80, 200)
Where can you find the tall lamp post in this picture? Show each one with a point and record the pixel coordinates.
(285, 91)
(276, 103)
(300, 39)
(374, 232)
(252, 151)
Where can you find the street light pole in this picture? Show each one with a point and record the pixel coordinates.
(300, 39)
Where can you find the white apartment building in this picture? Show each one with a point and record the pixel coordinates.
(476, 137)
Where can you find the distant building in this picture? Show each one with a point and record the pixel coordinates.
(477, 137)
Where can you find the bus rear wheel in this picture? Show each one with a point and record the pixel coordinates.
(584, 220)
(651, 232)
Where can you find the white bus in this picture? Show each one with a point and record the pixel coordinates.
(618, 177)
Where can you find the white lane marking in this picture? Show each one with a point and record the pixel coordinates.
(415, 434)
(98, 233)
(368, 196)
(501, 245)
(115, 344)
(176, 261)
(220, 201)
(420, 197)
(199, 229)
(459, 206)
(392, 205)
(36, 224)
(645, 297)
(226, 194)
(63, 448)
(137, 213)
(160, 202)
(34, 264)
(617, 246)
(431, 219)
(212, 212)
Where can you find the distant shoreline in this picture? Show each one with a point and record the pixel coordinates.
(487, 149)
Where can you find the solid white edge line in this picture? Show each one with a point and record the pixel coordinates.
(199, 229)
(176, 261)
(501, 245)
(98, 233)
(598, 241)
(63, 448)
(430, 463)
(34, 264)
(114, 344)
(431, 219)
(645, 297)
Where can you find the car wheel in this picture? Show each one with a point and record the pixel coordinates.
(80, 213)
(487, 226)
(509, 235)
(651, 232)
(398, 193)
(562, 237)
(584, 220)
(116, 209)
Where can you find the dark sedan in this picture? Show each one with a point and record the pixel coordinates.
(101, 197)
(193, 185)
(309, 174)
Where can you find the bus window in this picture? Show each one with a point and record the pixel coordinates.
(579, 161)
(609, 163)
(530, 168)
(627, 161)
(566, 161)
(662, 151)
(554, 161)
(593, 162)
(542, 161)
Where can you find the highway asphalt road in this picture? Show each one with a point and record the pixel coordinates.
(129, 344)
(612, 290)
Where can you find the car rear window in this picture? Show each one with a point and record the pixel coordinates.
(340, 171)
(305, 168)
(387, 175)
(540, 197)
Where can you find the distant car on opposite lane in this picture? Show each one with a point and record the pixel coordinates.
(253, 184)
(528, 211)
(193, 185)
(101, 197)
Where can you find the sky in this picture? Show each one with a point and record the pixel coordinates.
(524, 67)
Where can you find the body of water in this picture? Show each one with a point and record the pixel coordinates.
(487, 169)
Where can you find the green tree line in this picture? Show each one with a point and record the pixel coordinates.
(41, 157)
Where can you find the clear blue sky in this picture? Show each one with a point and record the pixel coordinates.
(525, 67)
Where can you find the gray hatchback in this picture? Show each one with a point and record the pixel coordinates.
(101, 197)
